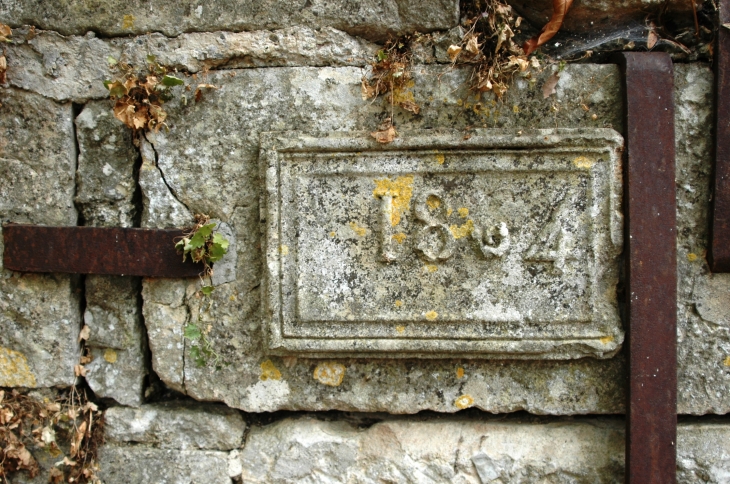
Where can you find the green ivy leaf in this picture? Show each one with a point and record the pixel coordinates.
(107, 83)
(192, 332)
(207, 290)
(201, 236)
(170, 81)
(382, 55)
(111, 61)
(218, 239)
(151, 59)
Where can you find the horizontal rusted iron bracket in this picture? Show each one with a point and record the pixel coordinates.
(718, 254)
(651, 269)
(95, 250)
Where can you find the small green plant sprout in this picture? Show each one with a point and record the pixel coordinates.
(204, 245)
(201, 349)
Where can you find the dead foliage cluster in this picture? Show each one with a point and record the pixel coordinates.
(5, 34)
(69, 429)
(391, 76)
(139, 98)
(489, 46)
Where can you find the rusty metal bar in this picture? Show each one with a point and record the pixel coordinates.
(651, 263)
(94, 250)
(719, 250)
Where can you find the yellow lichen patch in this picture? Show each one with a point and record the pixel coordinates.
(440, 158)
(515, 109)
(460, 373)
(269, 371)
(463, 212)
(360, 231)
(233, 297)
(449, 211)
(284, 250)
(583, 162)
(726, 361)
(431, 267)
(400, 237)
(691, 257)
(464, 401)
(14, 369)
(110, 355)
(333, 233)
(401, 189)
(128, 22)
(398, 303)
(400, 329)
(433, 202)
(606, 339)
(432, 315)
(460, 102)
(404, 95)
(329, 373)
(459, 231)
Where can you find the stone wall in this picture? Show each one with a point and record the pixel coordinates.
(427, 408)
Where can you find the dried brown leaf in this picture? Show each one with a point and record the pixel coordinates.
(85, 332)
(410, 106)
(548, 88)
(80, 370)
(560, 9)
(3, 69)
(366, 90)
(473, 46)
(453, 51)
(5, 32)
(651, 39)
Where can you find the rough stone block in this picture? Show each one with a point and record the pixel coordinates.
(208, 162)
(372, 19)
(176, 425)
(117, 340)
(106, 165)
(39, 314)
(703, 313)
(75, 67)
(468, 451)
(124, 465)
(449, 450)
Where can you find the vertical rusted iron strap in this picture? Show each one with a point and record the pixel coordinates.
(719, 251)
(93, 250)
(651, 269)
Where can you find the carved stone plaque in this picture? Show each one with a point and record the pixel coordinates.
(502, 245)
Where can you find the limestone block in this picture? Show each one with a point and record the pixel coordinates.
(39, 314)
(106, 165)
(703, 331)
(467, 451)
(123, 465)
(75, 67)
(448, 450)
(117, 341)
(176, 425)
(208, 162)
(165, 316)
(372, 19)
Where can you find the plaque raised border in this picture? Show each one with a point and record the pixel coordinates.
(601, 336)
